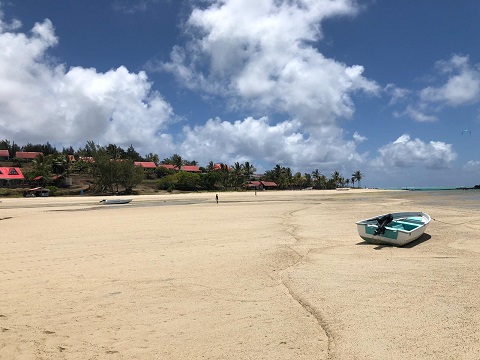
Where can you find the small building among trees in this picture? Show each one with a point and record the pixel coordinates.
(11, 176)
(4, 154)
(27, 155)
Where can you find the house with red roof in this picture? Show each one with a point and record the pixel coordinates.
(261, 185)
(169, 166)
(146, 164)
(269, 185)
(186, 168)
(190, 168)
(4, 154)
(27, 155)
(254, 185)
(11, 176)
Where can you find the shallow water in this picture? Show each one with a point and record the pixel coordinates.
(466, 199)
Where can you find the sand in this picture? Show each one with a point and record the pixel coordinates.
(280, 275)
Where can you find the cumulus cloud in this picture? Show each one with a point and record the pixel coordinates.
(40, 101)
(458, 84)
(252, 139)
(405, 152)
(461, 87)
(258, 55)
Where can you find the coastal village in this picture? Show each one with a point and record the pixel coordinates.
(13, 175)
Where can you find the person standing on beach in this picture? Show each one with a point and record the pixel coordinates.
(216, 198)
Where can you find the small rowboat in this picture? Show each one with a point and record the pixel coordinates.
(393, 229)
(115, 201)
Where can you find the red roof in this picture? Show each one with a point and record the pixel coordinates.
(8, 173)
(268, 183)
(219, 166)
(253, 184)
(190, 168)
(27, 154)
(4, 153)
(168, 166)
(146, 164)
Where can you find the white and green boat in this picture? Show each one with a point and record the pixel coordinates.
(393, 229)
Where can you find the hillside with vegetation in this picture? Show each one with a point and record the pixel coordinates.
(98, 170)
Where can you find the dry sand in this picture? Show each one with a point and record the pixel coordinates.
(280, 275)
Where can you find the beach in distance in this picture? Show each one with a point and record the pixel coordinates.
(276, 275)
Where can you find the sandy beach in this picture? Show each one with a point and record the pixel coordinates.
(277, 275)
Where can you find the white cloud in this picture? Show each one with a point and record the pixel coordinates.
(257, 53)
(405, 152)
(462, 86)
(458, 84)
(42, 102)
(359, 138)
(419, 115)
(397, 94)
(14, 25)
(253, 139)
(472, 165)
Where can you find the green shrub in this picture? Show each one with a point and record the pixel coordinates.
(53, 190)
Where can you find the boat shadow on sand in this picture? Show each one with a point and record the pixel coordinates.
(420, 240)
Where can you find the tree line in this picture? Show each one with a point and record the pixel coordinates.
(113, 170)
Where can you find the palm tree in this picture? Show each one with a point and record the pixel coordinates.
(248, 170)
(177, 161)
(353, 181)
(225, 175)
(358, 176)
(237, 175)
(318, 179)
(308, 180)
(210, 166)
(41, 166)
(336, 178)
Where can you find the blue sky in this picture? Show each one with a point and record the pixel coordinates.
(384, 87)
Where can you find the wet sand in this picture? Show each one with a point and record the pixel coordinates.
(280, 275)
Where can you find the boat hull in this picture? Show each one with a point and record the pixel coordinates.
(115, 201)
(405, 228)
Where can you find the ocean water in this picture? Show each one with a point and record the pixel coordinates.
(413, 188)
(467, 199)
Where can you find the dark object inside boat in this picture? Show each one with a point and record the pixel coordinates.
(382, 222)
